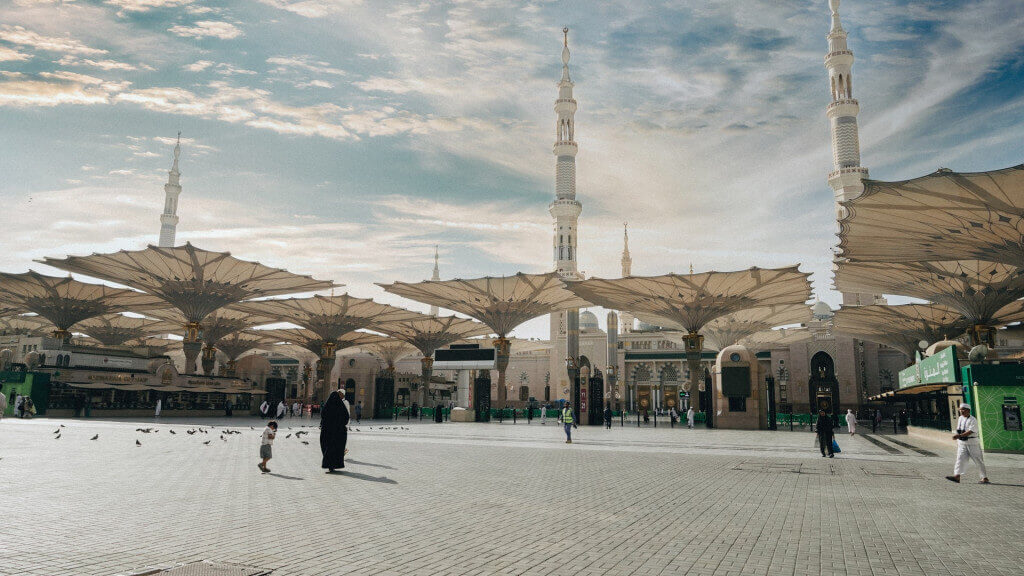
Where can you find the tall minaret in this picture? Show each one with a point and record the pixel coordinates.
(565, 209)
(627, 270)
(169, 219)
(565, 324)
(436, 276)
(847, 173)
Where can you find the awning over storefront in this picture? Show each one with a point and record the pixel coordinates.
(915, 390)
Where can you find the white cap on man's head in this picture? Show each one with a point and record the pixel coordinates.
(964, 406)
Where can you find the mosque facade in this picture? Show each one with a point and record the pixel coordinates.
(826, 368)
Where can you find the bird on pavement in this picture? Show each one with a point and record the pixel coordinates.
(137, 443)
(306, 443)
(207, 442)
(57, 431)
(96, 437)
(288, 436)
(57, 437)
(190, 432)
(172, 431)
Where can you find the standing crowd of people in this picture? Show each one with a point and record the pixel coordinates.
(24, 407)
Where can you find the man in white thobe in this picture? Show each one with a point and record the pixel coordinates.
(851, 422)
(159, 404)
(689, 417)
(967, 445)
(281, 409)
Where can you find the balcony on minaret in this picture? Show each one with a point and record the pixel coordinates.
(565, 148)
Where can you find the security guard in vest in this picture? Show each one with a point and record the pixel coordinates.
(566, 418)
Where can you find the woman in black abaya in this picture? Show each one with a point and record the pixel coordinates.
(333, 432)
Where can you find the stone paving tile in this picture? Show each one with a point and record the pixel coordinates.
(462, 499)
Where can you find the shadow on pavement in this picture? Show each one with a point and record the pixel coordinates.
(1005, 484)
(350, 461)
(367, 477)
(283, 476)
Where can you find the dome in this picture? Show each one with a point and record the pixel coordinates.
(942, 345)
(588, 321)
(821, 310)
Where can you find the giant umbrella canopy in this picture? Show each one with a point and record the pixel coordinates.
(195, 281)
(945, 215)
(729, 329)
(981, 291)
(313, 341)
(901, 326)
(428, 333)
(501, 302)
(691, 301)
(329, 317)
(117, 329)
(32, 325)
(217, 325)
(776, 338)
(238, 343)
(65, 301)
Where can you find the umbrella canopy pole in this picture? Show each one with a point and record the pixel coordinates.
(209, 359)
(502, 348)
(694, 343)
(426, 371)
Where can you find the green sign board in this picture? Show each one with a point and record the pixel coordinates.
(939, 368)
(910, 376)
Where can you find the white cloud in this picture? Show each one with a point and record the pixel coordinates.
(12, 55)
(130, 6)
(313, 8)
(21, 93)
(105, 64)
(24, 37)
(314, 84)
(285, 64)
(198, 65)
(207, 29)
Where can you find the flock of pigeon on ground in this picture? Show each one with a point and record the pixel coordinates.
(228, 432)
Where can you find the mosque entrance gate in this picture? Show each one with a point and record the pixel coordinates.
(482, 397)
(383, 397)
(823, 387)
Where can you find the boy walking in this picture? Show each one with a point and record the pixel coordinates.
(265, 445)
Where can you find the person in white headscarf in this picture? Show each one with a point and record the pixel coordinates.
(281, 409)
(851, 421)
(967, 446)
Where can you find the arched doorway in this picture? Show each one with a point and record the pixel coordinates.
(642, 387)
(823, 387)
(669, 379)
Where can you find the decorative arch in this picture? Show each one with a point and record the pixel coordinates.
(668, 373)
(641, 372)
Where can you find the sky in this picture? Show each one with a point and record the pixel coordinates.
(346, 138)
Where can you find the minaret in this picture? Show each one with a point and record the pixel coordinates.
(169, 219)
(847, 173)
(436, 276)
(627, 270)
(565, 209)
(565, 324)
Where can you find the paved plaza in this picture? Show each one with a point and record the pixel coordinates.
(425, 498)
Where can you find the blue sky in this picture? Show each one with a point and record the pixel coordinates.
(346, 138)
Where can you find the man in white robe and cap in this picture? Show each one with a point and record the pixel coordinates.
(689, 417)
(281, 409)
(967, 446)
(851, 421)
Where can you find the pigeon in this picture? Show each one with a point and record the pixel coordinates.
(57, 437)
(207, 442)
(222, 437)
(251, 428)
(306, 443)
(137, 443)
(57, 431)
(172, 431)
(96, 437)
(288, 436)
(61, 425)
(190, 432)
